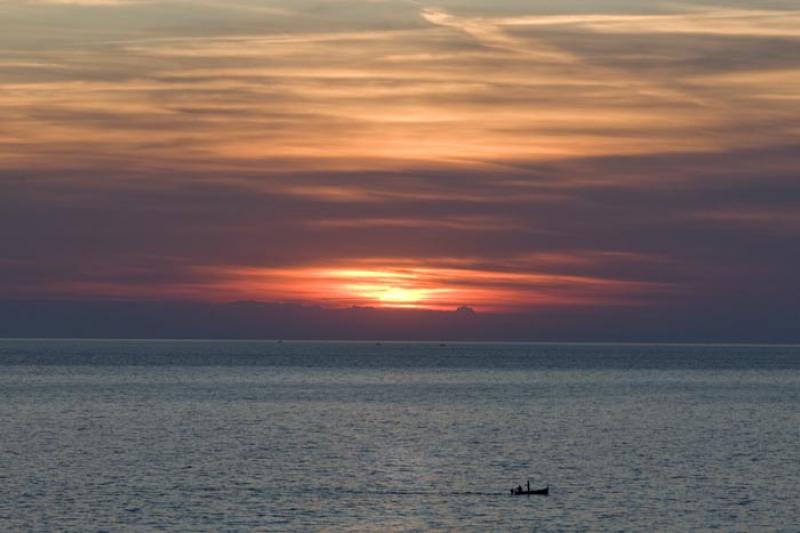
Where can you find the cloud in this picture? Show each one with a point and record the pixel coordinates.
(490, 34)
(362, 98)
(709, 21)
(90, 3)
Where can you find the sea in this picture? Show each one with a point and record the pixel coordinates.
(101, 435)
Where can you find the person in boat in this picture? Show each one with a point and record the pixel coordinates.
(519, 489)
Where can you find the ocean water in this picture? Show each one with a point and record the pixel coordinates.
(301, 436)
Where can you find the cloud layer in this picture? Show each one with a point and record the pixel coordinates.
(507, 155)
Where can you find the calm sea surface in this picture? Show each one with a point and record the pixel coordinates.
(241, 436)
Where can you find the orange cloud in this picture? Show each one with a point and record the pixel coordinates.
(392, 99)
(443, 284)
(409, 283)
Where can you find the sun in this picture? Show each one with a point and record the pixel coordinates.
(388, 294)
(384, 286)
(400, 296)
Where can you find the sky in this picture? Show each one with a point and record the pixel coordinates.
(507, 155)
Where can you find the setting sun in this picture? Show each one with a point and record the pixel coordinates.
(404, 297)
(391, 289)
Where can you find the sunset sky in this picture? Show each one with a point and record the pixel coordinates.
(507, 155)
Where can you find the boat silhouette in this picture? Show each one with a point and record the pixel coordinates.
(528, 491)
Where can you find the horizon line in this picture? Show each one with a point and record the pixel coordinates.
(398, 341)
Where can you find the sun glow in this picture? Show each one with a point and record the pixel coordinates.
(395, 294)
(446, 284)
(403, 297)
(391, 296)
(391, 289)
(443, 285)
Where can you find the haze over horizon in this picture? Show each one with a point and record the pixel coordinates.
(603, 166)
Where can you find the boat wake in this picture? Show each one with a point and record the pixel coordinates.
(420, 493)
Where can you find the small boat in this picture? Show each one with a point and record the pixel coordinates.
(528, 491)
